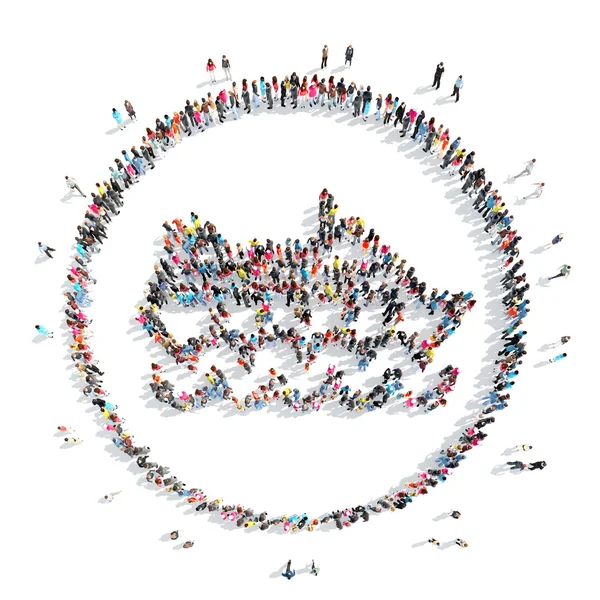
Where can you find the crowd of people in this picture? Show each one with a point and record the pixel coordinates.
(201, 269)
(300, 274)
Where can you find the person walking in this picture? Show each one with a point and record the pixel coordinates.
(72, 185)
(458, 84)
(44, 331)
(528, 168)
(555, 240)
(437, 78)
(558, 357)
(44, 249)
(226, 65)
(349, 55)
(324, 55)
(313, 569)
(461, 543)
(116, 115)
(288, 570)
(539, 190)
(130, 110)
(455, 514)
(434, 542)
(565, 271)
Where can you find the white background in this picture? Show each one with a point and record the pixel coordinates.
(527, 71)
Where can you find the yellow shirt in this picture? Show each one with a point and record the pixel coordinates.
(336, 263)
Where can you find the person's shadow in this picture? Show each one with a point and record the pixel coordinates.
(423, 89)
(541, 363)
(539, 250)
(444, 100)
(441, 517)
(42, 259)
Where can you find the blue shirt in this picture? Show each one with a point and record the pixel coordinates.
(459, 83)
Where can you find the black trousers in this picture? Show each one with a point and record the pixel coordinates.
(456, 92)
(323, 62)
(437, 79)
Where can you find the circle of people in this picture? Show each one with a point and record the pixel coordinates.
(299, 266)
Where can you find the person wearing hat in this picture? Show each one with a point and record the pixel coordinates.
(437, 78)
(226, 67)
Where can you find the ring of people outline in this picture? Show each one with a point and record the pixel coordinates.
(343, 272)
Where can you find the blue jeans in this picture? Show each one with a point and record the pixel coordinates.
(321, 99)
(255, 101)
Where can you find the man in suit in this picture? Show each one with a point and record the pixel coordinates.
(437, 78)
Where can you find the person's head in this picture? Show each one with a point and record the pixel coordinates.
(564, 354)
(533, 160)
(460, 76)
(441, 64)
(224, 56)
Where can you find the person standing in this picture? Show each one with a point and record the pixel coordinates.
(210, 68)
(44, 331)
(130, 110)
(434, 542)
(73, 440)
(461, 543)
(288, 570)
(555, 240)
(563, 340)
(116, 115)
(455, 514)
(537, 466)
(226, 68)
(269, 94)
(437, 78)
(524, 447)
(559, 357)
(527, 170)
(516, 465)
(324, 55)
(458, 84)
(44, 249)
(313, 569)
(349, 55)
(565, 271)
(72, 185)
